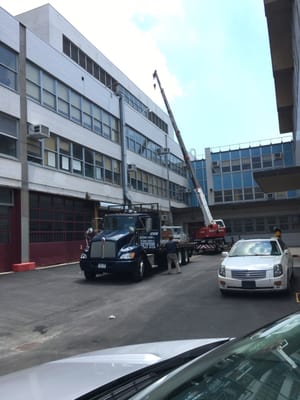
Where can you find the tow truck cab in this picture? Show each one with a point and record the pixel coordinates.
(128, 244)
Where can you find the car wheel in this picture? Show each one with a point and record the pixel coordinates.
(139, 271)
(90, 275)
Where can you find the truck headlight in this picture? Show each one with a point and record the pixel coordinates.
(222, 270)
(127, 256)
(277, 270)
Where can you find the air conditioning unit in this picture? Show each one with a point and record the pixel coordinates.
(131, 167)
(163, 150)
(277, 156)
(38, 131)
(215, 164)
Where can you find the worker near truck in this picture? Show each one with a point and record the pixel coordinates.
(171, 248)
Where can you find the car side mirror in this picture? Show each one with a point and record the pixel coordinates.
(224, 253)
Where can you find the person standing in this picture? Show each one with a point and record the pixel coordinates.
(171, 248)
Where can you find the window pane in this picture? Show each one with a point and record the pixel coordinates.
(8, 125)
(48, 83)
(32, 73)
(8, 58)
(8, 146)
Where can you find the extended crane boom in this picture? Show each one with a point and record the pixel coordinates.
(213, 228)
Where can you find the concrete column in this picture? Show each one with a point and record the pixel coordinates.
(23, 149)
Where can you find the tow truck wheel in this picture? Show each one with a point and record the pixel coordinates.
(90, 275)
(139, 271)
(179, 256)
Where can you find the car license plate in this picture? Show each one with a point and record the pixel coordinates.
(101, 266)
(248, 285)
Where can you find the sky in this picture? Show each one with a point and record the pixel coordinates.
(212, 57)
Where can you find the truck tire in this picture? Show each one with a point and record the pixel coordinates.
(180, 258)
(90, 275)
(185, 256)
(139, 271)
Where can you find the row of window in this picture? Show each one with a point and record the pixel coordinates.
(60, 98)
(145, 182)
(55, 95)
(58, 153)
(244, 194)
(262, 225)
(93, 68)
(145, 147)
(268, 156)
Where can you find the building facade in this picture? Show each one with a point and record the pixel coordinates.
(75, 133)
(227, 179)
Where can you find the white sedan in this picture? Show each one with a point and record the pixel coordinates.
(256, 265)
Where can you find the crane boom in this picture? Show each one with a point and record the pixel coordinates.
(208, 219)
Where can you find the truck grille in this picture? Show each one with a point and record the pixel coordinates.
(103, 249)
(246, 274)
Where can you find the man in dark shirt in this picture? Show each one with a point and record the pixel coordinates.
(172, 255)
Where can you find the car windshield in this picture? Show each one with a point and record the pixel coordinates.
(255, 248)
(264, 365)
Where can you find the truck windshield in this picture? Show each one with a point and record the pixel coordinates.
(119, 222)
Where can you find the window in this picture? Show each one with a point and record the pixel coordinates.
(249, 225)
(258, 193)
(86, 113)
(108, 169)
(256, 162)
(34, 151)
(99, 166)
(75, 107)
(50, 152)
(8, 135)
(64, 151)
(33, 82)
(77, 159)
(267, 160)
(105, 124)
(8, 67)
(248, 193)
(260, 225)
(88, 163)
(116, 165)
(227, 195)
(63, 99)
(49, 97)
(218, 195)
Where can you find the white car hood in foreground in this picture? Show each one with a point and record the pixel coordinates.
(72, 377)
(257, 262)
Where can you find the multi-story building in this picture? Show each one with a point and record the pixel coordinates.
(75, 133)
(227, 179)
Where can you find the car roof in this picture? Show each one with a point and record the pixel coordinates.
(257, 240)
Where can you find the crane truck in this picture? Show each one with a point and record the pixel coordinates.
(131, 242)
(211, 236)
